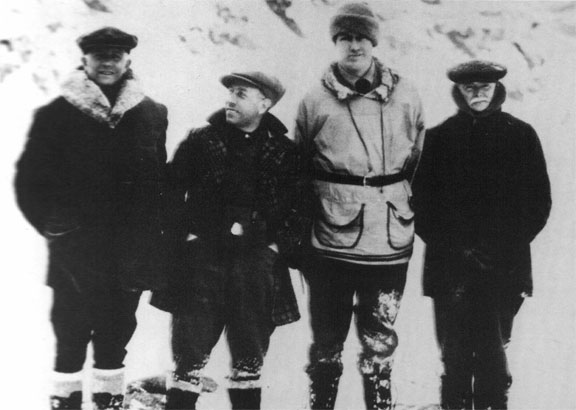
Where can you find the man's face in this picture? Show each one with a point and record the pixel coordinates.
(106, 66)
(477, 95)
(355, 52)
(245, 106)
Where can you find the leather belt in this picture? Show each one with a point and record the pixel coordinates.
(376, 181)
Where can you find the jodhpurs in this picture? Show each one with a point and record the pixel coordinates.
(379, 290)
(473, 331)
(105, 317)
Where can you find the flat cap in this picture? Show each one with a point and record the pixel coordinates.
(107, 37)
(268, 85)
(477, 71)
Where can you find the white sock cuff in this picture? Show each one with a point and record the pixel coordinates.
(108, 381)
(67, 377)
(172, 383)
(244, 384)
(64, 384)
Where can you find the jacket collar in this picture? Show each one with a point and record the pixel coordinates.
(388, 80)
(495, 104)
(85, 95)
(272, 123)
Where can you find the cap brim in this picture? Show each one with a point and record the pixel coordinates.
(231, 79)
(91, 47)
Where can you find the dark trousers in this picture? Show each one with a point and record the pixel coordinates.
(105, 317)
(473, 330)
(233, 290)
(333, 285)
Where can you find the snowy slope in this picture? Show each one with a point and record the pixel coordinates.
(185, 45)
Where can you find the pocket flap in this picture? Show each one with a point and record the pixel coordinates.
(340, 215)
(402, 213)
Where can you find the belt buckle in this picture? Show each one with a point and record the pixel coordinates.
(364, 180)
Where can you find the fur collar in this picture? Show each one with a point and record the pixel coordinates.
(495, 105)
(85, 95)
(388, 80)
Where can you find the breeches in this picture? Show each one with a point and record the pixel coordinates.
(379, 290)
(237, 298)
(473, 331)
(106, 317)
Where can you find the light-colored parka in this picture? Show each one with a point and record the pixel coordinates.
(344, 132)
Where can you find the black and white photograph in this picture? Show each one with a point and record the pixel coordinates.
(288, 204)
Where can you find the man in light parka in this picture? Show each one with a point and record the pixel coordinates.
(360, 131)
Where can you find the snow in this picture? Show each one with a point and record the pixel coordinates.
(185, 46)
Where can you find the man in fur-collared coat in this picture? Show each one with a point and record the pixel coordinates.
(481, 195)
(90, 181)
(235, 181)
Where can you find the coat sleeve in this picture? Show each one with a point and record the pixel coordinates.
(305, 153)
(424, 189)
(161, 145)
(182, 174)
(534, 199)
(420, 132)
(37, 180)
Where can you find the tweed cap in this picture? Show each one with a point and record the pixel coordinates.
(477, 71)
(268, 85)
(107, 37)
(357, 18)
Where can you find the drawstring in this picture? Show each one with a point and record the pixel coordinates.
(362, 138)
(383, 147)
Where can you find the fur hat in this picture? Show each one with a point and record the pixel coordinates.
(477, 71)
(355, 18)
(107, 37)
(268, 85)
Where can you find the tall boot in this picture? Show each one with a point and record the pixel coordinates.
(377, 391)
(182, 392)
(177, 399)
(108, 389)
(492, 395)
(324, 381)
(245, 399)
(456, 394)
(67, 391)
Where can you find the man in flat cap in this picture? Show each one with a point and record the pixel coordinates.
(235, 181)
(481, 195)
(90, 181)
(361, 131)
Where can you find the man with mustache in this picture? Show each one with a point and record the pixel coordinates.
(90, 181)
(481, 195)
(234, 181)
(361, 130)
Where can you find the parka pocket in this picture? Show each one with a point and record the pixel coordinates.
(400, 227)
(339, 226)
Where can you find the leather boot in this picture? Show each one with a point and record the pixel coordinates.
(245, 399)
(71, 402)
(324, 381)
(377, 391)
(177, 399)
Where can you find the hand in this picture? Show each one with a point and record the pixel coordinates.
(479, 258)
(274, 247)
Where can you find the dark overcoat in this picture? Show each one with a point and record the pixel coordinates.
(481, 183)
(90, 180)
(197, 174)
